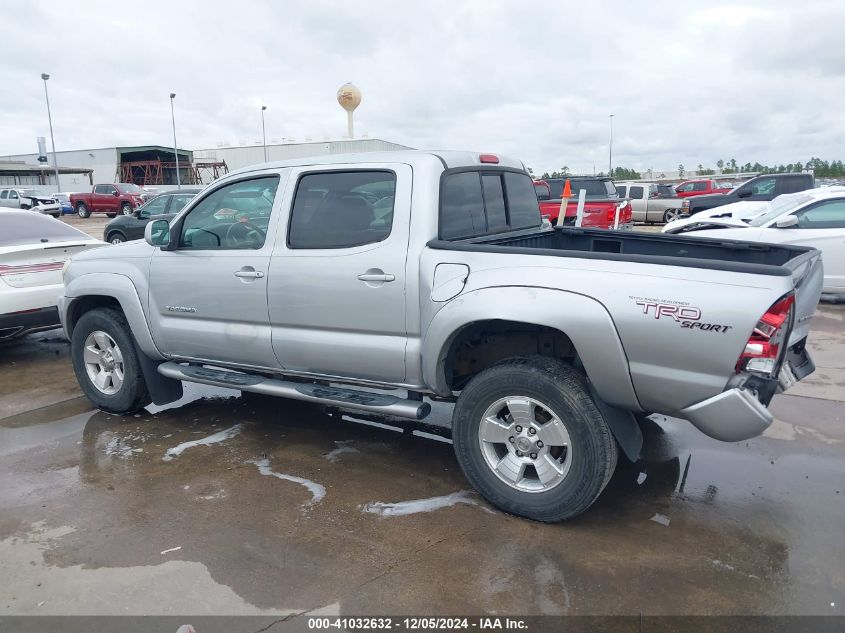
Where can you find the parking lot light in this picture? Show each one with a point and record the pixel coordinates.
(175, 146)
(45, 77)
(263, 132)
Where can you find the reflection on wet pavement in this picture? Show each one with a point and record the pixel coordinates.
(272, 507)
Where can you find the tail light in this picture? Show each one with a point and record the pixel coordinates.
(765, 345)
(685, 206)
(625, 213)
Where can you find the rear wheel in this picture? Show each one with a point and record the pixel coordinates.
(671, 214)
(82, 210)
(106, 363)
(126, 208)
(530, 439)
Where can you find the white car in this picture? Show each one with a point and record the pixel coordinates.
(815, 217)
(17, 198)
(33, 250)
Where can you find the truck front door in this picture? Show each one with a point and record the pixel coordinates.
(337, 282)
(102, 197)
(208, 296)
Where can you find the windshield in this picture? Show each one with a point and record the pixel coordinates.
(780, 205)
(29, 192)
(129, 188)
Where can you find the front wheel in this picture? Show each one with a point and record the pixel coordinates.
(82, 210)
(126, 208)
(106, 363)
(117, 238)
(530, 439)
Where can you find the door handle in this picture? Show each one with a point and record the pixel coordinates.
(249, 274)
(376, 277)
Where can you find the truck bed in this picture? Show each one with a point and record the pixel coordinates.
(670, 250)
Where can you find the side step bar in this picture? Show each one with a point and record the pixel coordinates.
(336, 396)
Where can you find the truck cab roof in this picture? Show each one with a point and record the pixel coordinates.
(448, 158)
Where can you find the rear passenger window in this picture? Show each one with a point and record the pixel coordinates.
(474, 203)
(342, 209)
(4, 194)
(622, 190)
(637, 193)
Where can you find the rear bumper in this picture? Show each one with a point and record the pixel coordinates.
(738, 414)
(18, 324)
(731, 416)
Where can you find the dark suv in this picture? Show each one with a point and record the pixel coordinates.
(164, 206)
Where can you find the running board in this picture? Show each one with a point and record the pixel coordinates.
(309, 392)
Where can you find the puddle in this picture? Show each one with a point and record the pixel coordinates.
(218, 437)
(403, 508)
(317, 491)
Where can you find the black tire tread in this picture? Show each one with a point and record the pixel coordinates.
(134, 395)
(546, 379)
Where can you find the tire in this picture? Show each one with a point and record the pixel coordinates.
(126, 208)
(671, 214)
(547, 386)
(109, 325)
(116, 238)
(82, 210)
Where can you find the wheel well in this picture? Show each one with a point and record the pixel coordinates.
(485, 343)
(114, 232)
(80, 203)
(86, 304)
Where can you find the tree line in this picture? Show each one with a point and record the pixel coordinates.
(821, 169)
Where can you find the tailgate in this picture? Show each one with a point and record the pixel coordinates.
(31, 266)
(808, 279)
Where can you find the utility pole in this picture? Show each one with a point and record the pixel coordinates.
(610, 150)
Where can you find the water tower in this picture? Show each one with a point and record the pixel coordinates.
(349, 98)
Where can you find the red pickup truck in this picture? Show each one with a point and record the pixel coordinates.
(701, 187)
(111, 199)
(601, 203)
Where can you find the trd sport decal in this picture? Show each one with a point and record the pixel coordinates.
(687, 316)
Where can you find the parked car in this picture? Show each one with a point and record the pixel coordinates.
(603, 207)
(33, 250)
(814, 218)
(646, 203)
(111, 199)
(131, 227)
(766, 187)
(64, 203)
(15, 198)
(701, 187)
(549, 341)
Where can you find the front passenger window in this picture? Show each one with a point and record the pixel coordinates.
(235, 216)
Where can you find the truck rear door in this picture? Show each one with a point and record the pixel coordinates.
(336, 288)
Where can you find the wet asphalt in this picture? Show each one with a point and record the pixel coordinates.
(226, 503)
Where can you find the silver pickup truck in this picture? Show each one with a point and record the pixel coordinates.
(372, 281)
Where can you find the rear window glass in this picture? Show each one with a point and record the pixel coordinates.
(34, 228)
(595, 188)
(494, 201)
(475, 203)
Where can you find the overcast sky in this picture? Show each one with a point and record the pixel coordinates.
(687, 82)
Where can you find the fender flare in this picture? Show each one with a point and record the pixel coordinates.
(120, 288)
(584, 320)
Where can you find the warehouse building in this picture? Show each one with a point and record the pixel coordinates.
(155, 165)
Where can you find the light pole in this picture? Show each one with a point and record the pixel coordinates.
(45, 77)
(610, 150)
(263, 133)
(175, 146)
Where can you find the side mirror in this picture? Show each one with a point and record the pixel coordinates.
(743, 193)
(786, 221)
(116, 194)
(157, 233)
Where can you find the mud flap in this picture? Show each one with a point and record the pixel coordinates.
(163, 390)
(623, 425)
